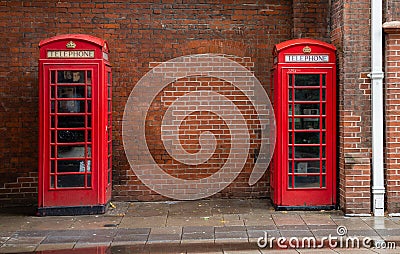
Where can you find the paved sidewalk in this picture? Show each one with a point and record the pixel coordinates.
(205, 226)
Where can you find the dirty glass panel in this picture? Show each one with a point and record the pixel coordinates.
(71, 76)
(71, 106)
(70, 92)
(71, 136)
(71, 151)
(70, 166)
(88, 77)
(67, 181)
(304, 167)
(71, 121)
(306, 181)
(306, 80)
(307, 94)
(307, 152)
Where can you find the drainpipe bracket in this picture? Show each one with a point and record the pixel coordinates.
(378, 75)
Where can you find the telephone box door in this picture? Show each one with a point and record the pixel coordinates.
(304, 172)
(69, 175)
(75, 141)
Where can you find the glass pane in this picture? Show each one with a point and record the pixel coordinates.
(290, 167)
(71, 152)
(53, 137)
(109, 92)
(53, 77)
(68, 76)
(89, 91)
(52, 107)
(323, 79)
(323, 94)
(71, 106)
(70, 136)
(306, 138)
(323, 167)
(89, 77)
(70, 166)
(52, 151)
(51, 181)
(89, 180)
(71, 92)
(290, 80)
(89, 165)
(290, 182)
(306, 80)
(306, 181)
(89, 136)
(307, 152)
(109, 177)
(306, 94)
(108, 77)
(71, 121)
(324, 181)
(89, 121)
(52, 92)
(290, 94)
(89, 151)
(65, 181)
(304, 167)
(89, 106)
(52, 166)
(52, 122)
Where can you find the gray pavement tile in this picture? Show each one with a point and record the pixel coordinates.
(287, 219)
(198, 236)
(166, 230)
(25, 240)
(95, 239)
(241, 251)
(195, 221)
(261, 227)
(361, 233)
(131, 238)
(231, 235)
(17, 248)
(230, 229)
(255, 234)
(317, 219)
(164, 238)
(198, 229)
(49, 223)
(143, 222)
(388, 232)
(32, 233)
(296, 233)
(60, 239)
(95, 222)
(292, 227)
(92, 246)
(133, 231)
(57, 246)
(318, 251)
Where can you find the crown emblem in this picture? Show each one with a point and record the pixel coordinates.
(306, 50)
(70, 45)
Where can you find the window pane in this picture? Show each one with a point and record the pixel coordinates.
(306, 80)
(306, 94)
(71, 76)
(71, 92)
(71, 136)
(65, 181)
(70, 166)
(304, 167)
(71, 152)
(306, 181)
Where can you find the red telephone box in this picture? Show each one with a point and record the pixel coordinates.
(75, 125)
(303, 170)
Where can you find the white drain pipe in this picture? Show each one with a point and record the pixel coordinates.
(376, 75)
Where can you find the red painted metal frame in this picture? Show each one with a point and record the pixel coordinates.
(283, 195)
(99, 192)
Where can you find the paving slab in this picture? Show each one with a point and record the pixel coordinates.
(204, 226)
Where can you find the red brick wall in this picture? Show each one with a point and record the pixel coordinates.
(306, 12)
(351, 35)
(138, 33)
(392, 117)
